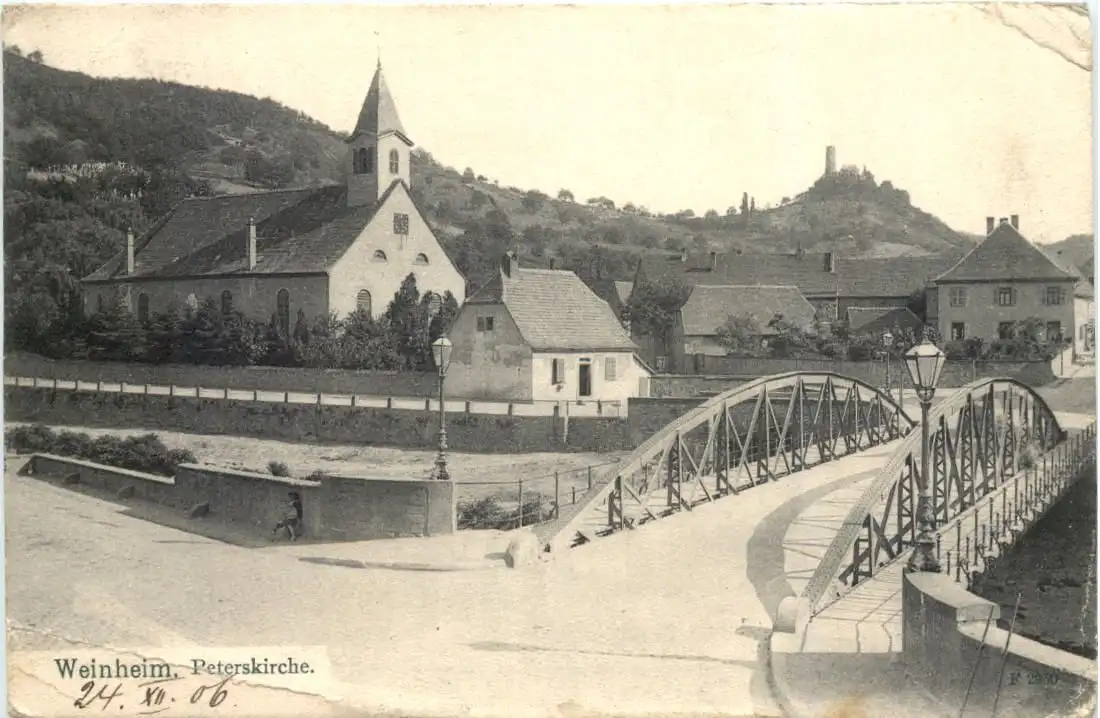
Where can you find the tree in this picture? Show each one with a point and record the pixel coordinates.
(731, 211)
(711, 214)
(405, 321)
(752, 205)
(745, 204)
(740, 335)
(533, 201)
(565, 195)
(468, 174)
(36, 56)
(115, 334)
(653, 307)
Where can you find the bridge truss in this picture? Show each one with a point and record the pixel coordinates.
(752, 434)
(982, 436)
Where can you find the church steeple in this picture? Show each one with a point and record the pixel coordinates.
(378, 148)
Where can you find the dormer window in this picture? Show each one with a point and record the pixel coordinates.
(379, 255)
(395, 162)
(421, 258)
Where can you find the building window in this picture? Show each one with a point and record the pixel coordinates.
(1054, 331)
(1054, 296)
(700, 362)
(1006, 297)
(143, 308)
(379, 255)
(1005, 330)
(958, 331)
(557, 371)
(227, 302)
(485, 324)
(395, 163)
(99, 304)
(610, 369)
(662, 363)
(421, 258)
(362, 302)
(282, 310)
(958, 296)
(400, 223)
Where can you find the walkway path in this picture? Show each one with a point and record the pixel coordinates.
(671, 618)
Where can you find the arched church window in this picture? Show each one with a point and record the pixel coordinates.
(395, 162)
(362, 302)
(379, 255)
(282, 310)
(421, 258)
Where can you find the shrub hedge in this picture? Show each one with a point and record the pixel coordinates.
(138, 453)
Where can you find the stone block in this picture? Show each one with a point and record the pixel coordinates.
(523, 550)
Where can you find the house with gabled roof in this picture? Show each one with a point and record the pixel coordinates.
(708, 308)
(1004, 280)
(831, 283)
(541, 335)
(293, 254)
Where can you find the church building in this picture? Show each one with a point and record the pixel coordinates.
(292, 253)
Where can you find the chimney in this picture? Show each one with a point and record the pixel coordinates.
(990, 225)
(129, 252)
(509, 263)
(713, 261)
(251, 244)
(830, 266)
(1015, 219)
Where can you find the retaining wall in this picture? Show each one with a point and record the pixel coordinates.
(942, 631)
(336, 509)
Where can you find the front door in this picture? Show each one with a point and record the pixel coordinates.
(584, 379)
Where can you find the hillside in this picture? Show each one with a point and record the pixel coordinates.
(87, 157)
(1074, 250)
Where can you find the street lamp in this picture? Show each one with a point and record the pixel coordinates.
(441, 352)
(925, 362)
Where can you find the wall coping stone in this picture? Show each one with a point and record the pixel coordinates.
(253, 475)
(156, 478)
(406, 479)
(973, 611)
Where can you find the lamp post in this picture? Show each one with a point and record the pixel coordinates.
(925, 362)
(888, 347)
(441, 352)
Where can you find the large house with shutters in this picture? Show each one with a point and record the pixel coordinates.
(542, 335)
(1002, 281)
(292, 254)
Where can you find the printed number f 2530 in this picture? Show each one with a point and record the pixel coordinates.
(1032, 678)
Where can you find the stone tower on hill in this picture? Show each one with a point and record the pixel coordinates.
(830, 160)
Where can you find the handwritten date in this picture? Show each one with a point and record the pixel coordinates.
(153, 696)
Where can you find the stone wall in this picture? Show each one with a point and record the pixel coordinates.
(942, 634)
(479, 433)
(258, 378)
(336, 509)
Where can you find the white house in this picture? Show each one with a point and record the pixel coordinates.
(541, 335)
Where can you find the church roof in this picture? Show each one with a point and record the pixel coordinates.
(302, 231)
(379, 113)
(1006, 255)
(555, 311)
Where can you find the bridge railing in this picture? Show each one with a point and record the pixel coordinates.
(981, 436)
(752, 434)
(984, 532)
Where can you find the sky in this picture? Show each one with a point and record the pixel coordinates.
(666, 107)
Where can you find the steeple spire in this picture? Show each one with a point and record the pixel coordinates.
(379, 117)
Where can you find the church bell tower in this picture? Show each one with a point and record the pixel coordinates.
(378, 149)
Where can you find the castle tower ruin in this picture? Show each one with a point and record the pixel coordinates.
(830, 160)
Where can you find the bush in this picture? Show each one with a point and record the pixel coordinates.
(318, 476)
(30, 439)
(278, 468)
(145, 453)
